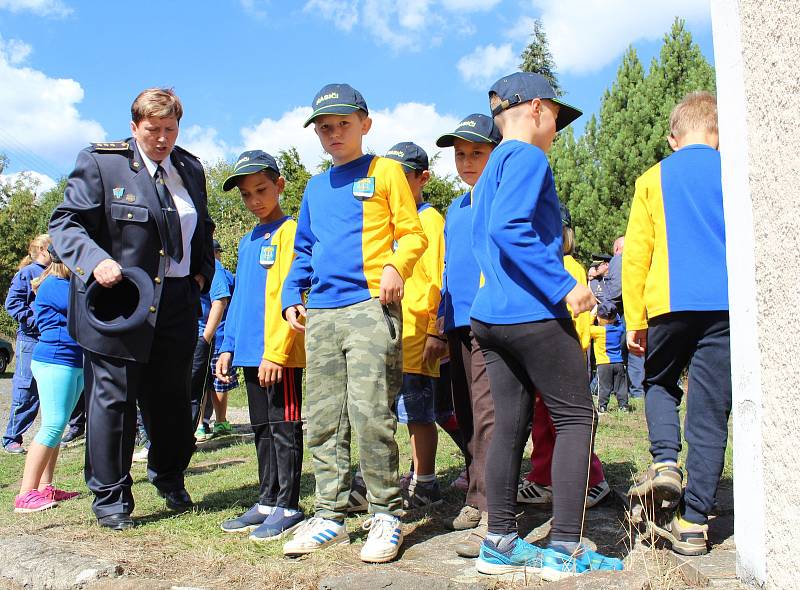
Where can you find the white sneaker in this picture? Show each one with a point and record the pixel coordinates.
(384, 539)
(316, 533)
(597, 493)
(141, 455)
(532, 493)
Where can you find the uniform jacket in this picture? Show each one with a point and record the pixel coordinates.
(111, 210)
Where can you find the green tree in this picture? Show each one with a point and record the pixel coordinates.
(48, 201)
(231, 217)
(536, 57)
(296, 175)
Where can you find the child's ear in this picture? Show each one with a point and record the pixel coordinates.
(426, 176)
(673, 142)
(366, 125)
(281, 184)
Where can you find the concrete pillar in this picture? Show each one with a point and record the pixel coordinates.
(757, 52)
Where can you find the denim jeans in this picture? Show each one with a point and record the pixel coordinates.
(24, 394)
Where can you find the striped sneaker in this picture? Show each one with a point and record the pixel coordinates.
(596, 494)
(522, 557)
(384, 539)
(316, 533)
(532, 493)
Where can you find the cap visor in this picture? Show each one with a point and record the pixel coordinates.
(333, 109)
(447, 139)
(566, 114)
(230, 182)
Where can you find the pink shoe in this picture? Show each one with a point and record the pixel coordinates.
(33, 501)
(461, 482)
(59, 495)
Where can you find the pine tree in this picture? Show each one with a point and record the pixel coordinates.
(536, 57)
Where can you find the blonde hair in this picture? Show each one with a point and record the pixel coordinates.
(696, 112)
(58, 269)
(36, 245)
(156, 102)
(568, 237)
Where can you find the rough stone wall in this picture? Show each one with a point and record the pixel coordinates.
(758, 42)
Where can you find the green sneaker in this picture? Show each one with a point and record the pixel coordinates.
(222, 428)
(202, 434)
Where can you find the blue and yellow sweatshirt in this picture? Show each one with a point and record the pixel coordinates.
(350, 219)
(422, 293)
(461, 275)
(608, 339)
(674, 257)
(517, 237)
(255, 328)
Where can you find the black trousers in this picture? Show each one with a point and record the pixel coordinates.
(77, 420)
(474, 408)
(161, 386)
(701, 340)
(200, 380)
(546, 357)
(611, 377)
(275, 419)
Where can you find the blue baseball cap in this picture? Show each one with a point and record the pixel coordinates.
(476, 128)
(336, 99)
(410, 155)
(521, 87)
(566, 218)
(249, 163)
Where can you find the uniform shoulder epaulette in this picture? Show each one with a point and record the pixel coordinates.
(111, 146)
(186, 152)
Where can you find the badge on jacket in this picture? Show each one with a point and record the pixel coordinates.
(118, 192)
(266, 257)
(364, 188)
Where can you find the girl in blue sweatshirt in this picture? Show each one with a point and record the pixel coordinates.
(57, 365)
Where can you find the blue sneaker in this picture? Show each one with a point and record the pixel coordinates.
(557, 566)
(523, 557)
(246, 522)
(277, 525)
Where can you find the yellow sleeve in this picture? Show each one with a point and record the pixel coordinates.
(584, 320)
(278, 336)
(638, 254)
(408, 234)
(433, 261)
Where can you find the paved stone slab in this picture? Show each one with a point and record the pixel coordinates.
(392, 579)
(604, 581)
(37, 563)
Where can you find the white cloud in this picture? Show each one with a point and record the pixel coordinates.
(39, 118)
(40, 7)
(407, 24)
(344, 14)
(255, 8)
(586, 35)
(487, 63)
(204, 143)
(420, 123)
(40, 183)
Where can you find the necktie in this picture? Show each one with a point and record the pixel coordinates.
(171, 218)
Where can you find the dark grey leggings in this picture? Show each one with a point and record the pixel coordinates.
(544, 356)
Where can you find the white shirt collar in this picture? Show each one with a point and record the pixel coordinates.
(151, 166)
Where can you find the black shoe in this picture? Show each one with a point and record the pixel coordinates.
(72, 435)
(177, 500)
(116, 522)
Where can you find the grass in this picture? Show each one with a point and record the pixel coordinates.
(190, 549)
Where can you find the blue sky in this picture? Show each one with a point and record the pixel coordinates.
(246, 70)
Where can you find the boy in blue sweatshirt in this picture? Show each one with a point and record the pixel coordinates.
(608, 338)
(358, 239)
(520, 320)
(675, 288)
(472, 141)
(271, 354)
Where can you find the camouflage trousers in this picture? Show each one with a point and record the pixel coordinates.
(354, 370)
